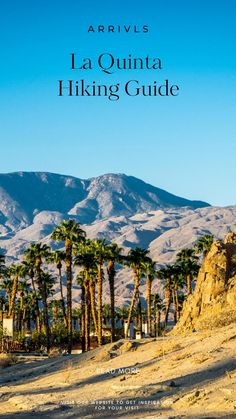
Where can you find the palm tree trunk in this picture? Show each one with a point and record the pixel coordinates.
(176, 302)
(173, 301)
(62, 298)
(99, 287)
(111, 277)
(136, 288)
(158, 323)
(43, 292)
(87, 318)
(38, 318)
(149, 290)
(93, 304)
(28, 325)
(155, 317)
(22, 313)
(69, 293)
(168, 301)
(140, 320)
(45, 314)
(13, 295)
(83, 318)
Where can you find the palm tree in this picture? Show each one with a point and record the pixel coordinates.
(16, 271)
(46, 289)
(158, 307)
(101, 254)
(6, 285)
(39, 253)
(2, 308)
(70, 233)
(114, 256)
(23, 291)
(135, 259)
(166, 275)
(2, 265)
(32, 306)
(29, 263)
(150, 272)
(177, 282)
(85, 258)
(80, 279)
(187, 260)
(203, 245)
(58, 257)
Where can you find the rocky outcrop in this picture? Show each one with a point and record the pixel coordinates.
(213, 303)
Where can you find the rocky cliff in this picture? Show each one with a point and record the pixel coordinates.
(213, 303)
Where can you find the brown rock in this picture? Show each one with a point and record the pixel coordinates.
(213, 303)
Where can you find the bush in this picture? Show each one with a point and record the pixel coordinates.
(7, 359)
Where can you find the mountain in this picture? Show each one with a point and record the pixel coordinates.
(23, 195)
(116, 207)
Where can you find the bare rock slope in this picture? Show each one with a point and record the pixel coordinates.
(213, 302)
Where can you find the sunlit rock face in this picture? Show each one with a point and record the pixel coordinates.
(213, 303)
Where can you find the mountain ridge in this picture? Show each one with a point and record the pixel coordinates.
(118, 208)
(26, 193)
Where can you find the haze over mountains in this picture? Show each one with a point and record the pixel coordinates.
(113, 206)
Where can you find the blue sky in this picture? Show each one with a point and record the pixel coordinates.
(185, 145)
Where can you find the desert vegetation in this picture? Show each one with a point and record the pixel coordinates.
(42, 322)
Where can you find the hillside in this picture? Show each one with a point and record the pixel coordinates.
(25, 194)
(116, 207)
(173, 377)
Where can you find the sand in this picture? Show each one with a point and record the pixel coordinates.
(190, 376)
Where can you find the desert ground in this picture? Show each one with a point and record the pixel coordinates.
(192, 376)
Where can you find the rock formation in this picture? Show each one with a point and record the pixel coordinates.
(213, 303)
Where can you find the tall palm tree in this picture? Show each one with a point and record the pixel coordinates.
(46, 289)
(135, 259)
(166, 274)
(203, 244)
(177, 283)
(80, 279)
(114, 256)
(40, 253)
(158, 307)
(58, 257)
(16, 270)
(69, 232)
(23, 291)
(101, 254)
(187, 259)
(151, 273)
(29, 263)
(6, 285)
(84, 257)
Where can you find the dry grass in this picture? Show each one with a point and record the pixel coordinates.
(7, 359)
(54, 352)
(128, 346)
(200, 358)
(183, 355)
(167, 348)
(67, 371)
